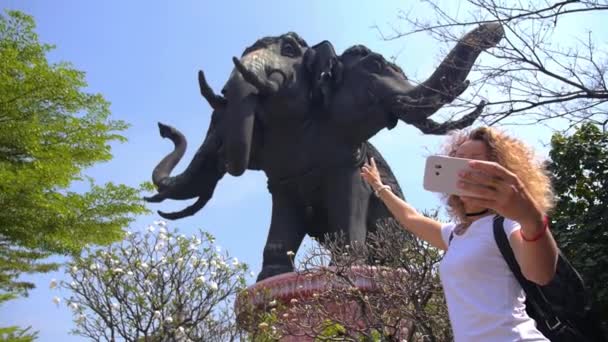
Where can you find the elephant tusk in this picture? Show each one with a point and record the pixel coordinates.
(214, 100)
(263, 86)
(189, 211)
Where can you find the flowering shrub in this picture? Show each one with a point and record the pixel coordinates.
(155, 286)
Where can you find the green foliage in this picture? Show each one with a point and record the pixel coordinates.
(15, 334)
(331, 331)
(51, 130)
(580, 169)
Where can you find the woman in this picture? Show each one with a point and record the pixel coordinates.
(485, 301)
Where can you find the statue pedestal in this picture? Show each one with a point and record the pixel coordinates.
(303, 303)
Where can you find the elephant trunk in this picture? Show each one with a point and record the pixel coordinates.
(449, 79)
(167, 164)
(181, 186)
(252, 78)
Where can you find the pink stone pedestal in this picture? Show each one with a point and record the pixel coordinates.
(286, 291)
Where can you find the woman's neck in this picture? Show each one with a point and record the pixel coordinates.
(475, 214)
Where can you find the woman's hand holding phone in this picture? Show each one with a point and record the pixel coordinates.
(500, 190)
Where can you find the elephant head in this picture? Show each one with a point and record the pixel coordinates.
(375, 93)
(275, 71)
(201, 176)
(270, 73)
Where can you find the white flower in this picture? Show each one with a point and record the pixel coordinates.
(118, 270)
(151, 229)
(157, 314)
(213, 263)
(115, 306)
(162, 237)
(196, 241)
(218, 249)
(263, 325)
(56, 300)
(213, 286)
(74, 269)
(130, 273)
(200, 279)
(162, 230)
(294, 301)
(160, 223)
(273, 302)
(169, 320)
(73, 285)
(180, 260)
(73, 306)
(53, 284)
(235, 262)
(144, 265)
(81, 318)
(181, 330)
(160, 245)
(290, 253)
(93, 267)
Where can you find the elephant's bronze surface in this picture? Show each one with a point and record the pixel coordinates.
(303, 115)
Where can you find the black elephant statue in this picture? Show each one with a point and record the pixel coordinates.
(303, 115)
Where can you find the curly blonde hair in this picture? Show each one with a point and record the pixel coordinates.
(510, 153)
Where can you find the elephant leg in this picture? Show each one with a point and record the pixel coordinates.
(287, 230)
(347, 200)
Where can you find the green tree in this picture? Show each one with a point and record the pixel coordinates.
(51, 130)
(580, 169)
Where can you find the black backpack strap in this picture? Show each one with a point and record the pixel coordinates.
(505, 249)
(530, 288)
(551, 323)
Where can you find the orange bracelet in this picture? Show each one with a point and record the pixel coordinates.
(539, 234)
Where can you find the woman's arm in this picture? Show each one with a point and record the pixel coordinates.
(537, 259)
(423, 227)
(502, 191)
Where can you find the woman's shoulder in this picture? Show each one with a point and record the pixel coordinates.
(446, 231)
(510, 226)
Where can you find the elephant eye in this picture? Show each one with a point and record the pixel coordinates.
(374, 65)
(289, 49)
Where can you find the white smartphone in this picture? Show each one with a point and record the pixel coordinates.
(441, 174)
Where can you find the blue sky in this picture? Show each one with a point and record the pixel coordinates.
(143, 56)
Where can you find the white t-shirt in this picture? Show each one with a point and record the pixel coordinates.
(485, 301)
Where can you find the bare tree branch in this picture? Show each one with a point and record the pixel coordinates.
(534, 72)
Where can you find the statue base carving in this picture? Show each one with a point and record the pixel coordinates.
(299, 308)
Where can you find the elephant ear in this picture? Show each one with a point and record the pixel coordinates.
(309, 60)
(378, 213)
(325, 71)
